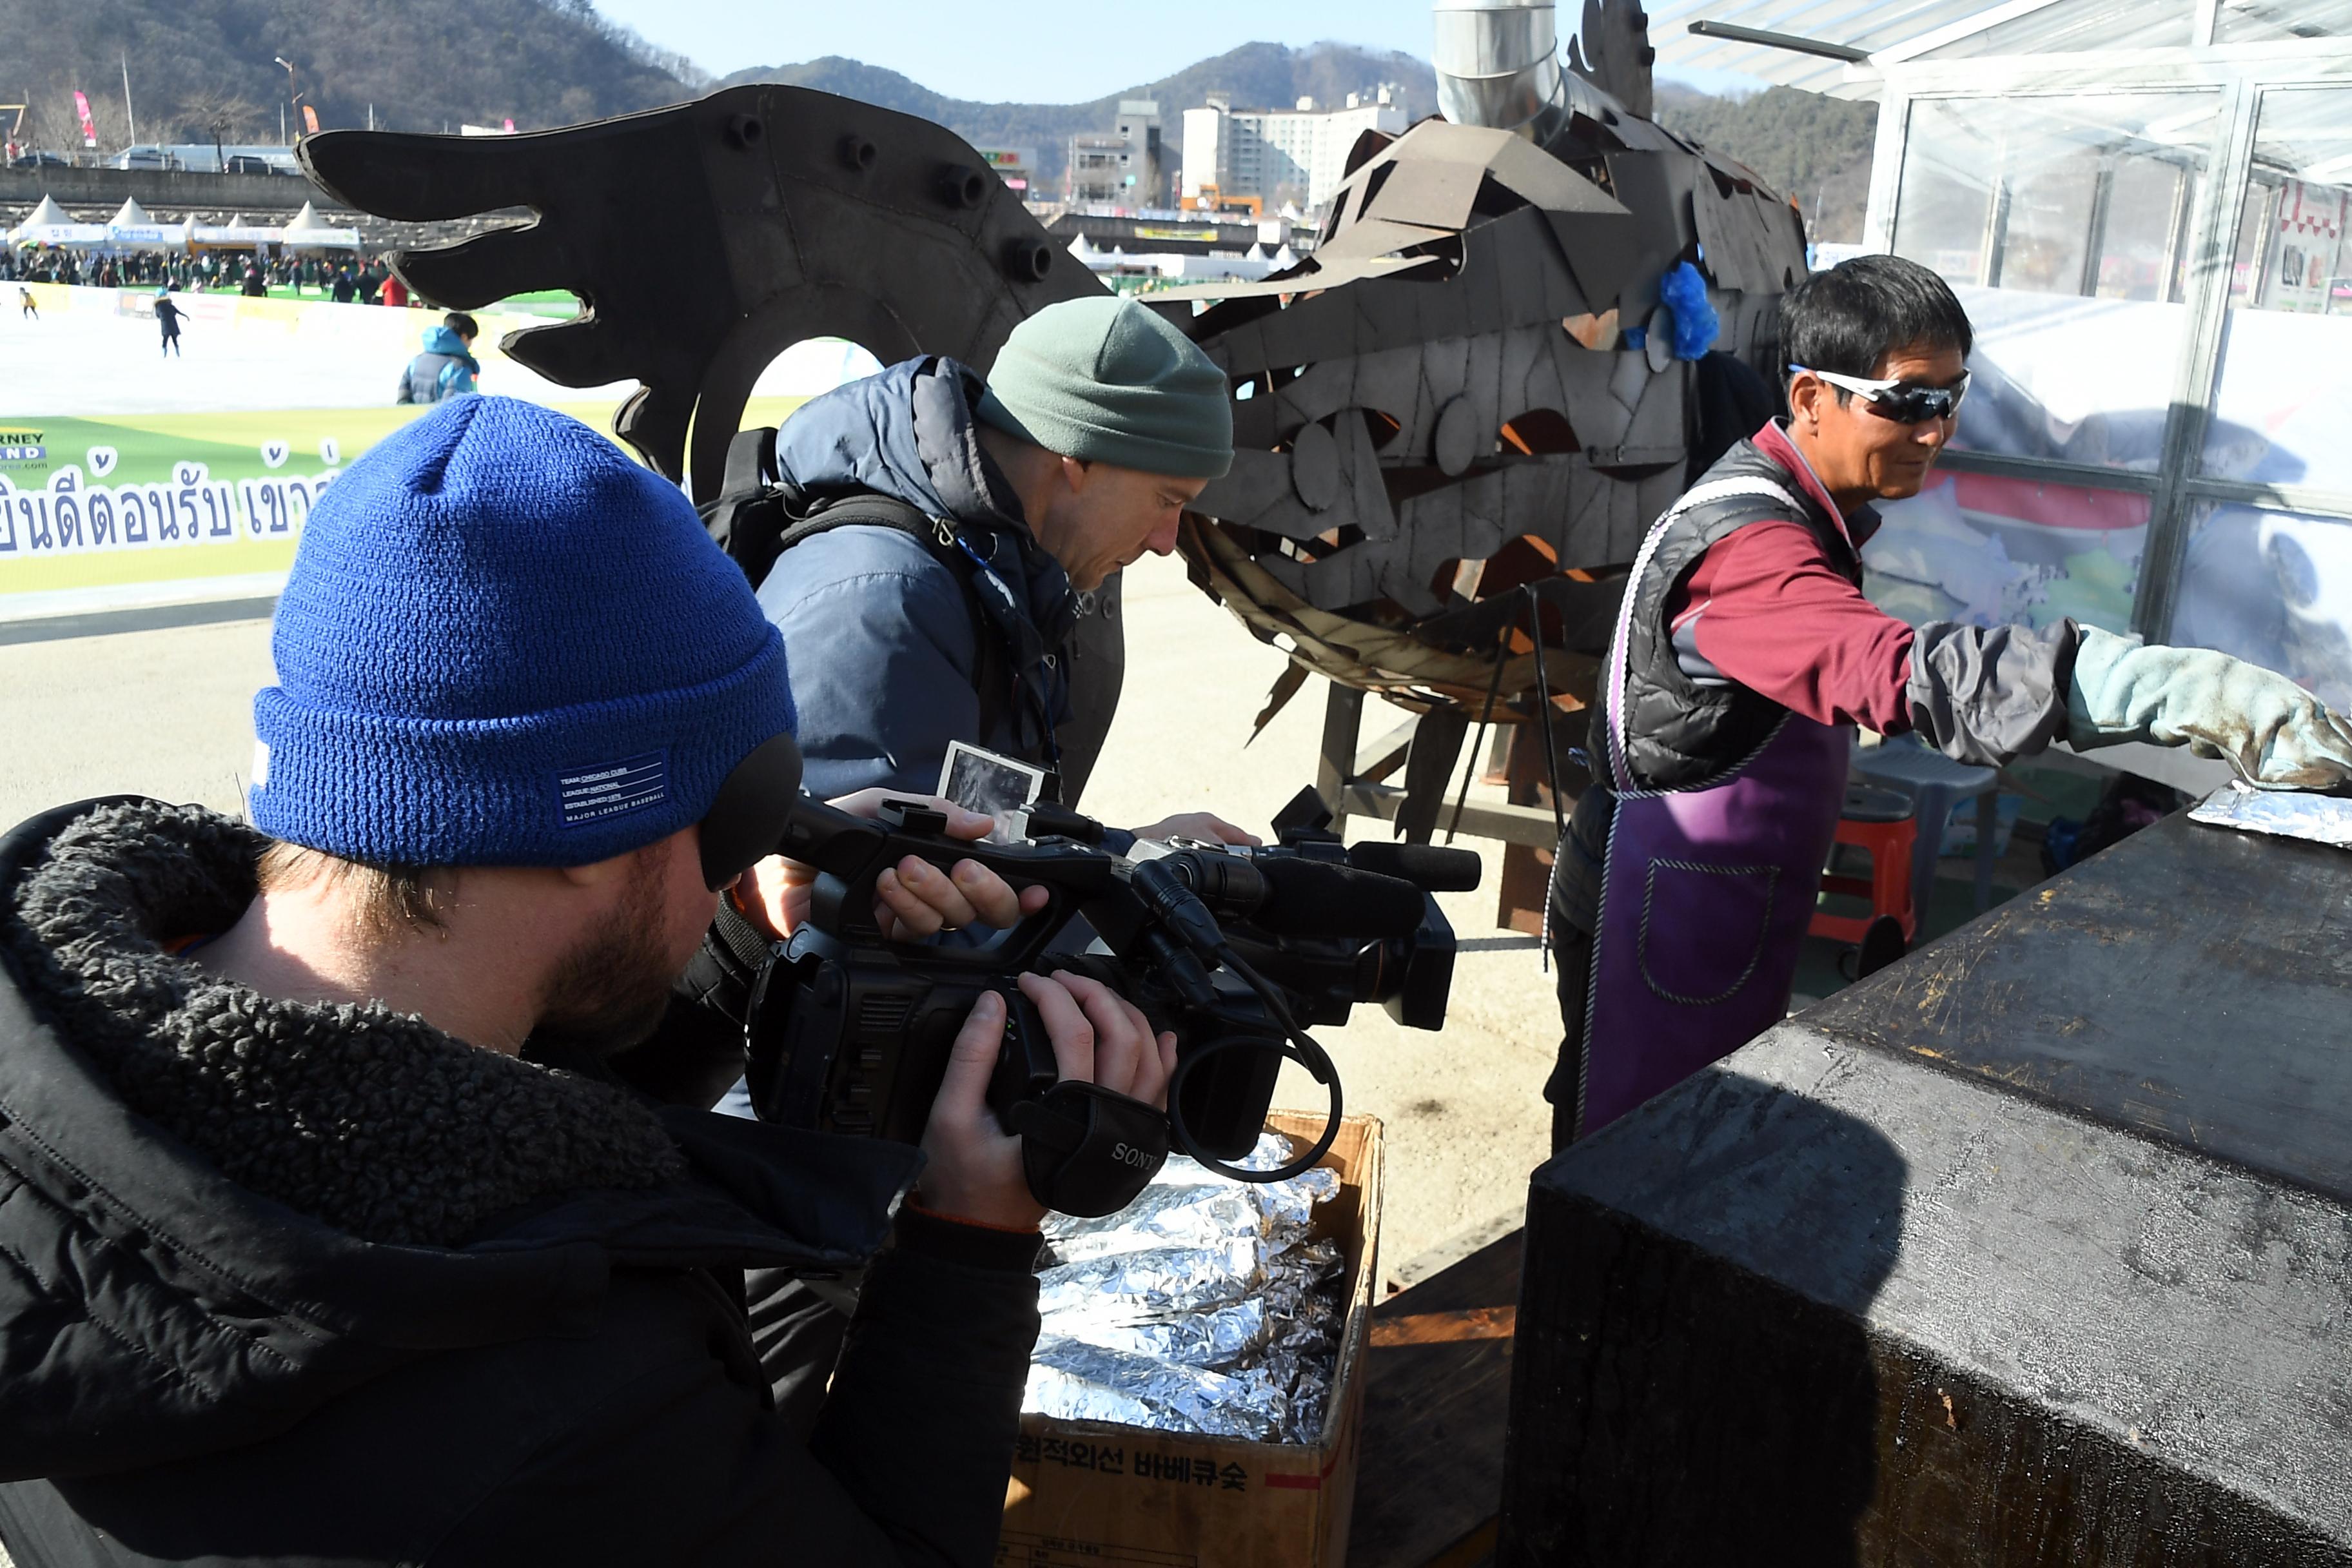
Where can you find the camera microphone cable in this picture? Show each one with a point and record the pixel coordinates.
(1183, 915)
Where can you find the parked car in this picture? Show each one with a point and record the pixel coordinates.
(247, 163)
(148, 158)
(40, 160)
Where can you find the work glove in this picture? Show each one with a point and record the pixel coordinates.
(2269, 729)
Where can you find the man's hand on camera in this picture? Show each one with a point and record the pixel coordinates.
(1201, 826)
(1099, 1037)
(915, 901)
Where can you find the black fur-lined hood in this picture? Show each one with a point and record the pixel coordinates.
(218, 1209)
(376, 1123)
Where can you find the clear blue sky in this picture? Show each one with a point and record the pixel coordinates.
(1029, 51)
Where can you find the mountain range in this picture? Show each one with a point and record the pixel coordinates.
(1256, 75)
(198, 69)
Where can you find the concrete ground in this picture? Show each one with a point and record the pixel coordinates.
(167, 712)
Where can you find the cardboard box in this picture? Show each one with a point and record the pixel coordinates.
(1098, 1494)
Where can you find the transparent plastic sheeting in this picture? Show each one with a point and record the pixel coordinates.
(2319, 818)
(1205, 1305)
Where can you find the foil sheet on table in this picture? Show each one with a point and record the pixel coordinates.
(1203, 1307)
(2287, 813)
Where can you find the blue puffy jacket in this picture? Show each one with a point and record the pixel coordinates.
(445, 369)
(883, 635)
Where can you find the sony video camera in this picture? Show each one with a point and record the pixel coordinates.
(1233, 950)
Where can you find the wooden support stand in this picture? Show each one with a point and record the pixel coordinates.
(1429, 1482)
(1352, 778)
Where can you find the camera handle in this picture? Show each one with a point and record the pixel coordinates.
(850, 853)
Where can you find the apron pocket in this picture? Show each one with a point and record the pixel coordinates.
(1704, 928)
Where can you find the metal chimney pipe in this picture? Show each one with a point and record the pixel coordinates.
(1498, 66)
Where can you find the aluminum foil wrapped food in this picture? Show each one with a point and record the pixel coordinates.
(2287, 813)
(1204, 1306)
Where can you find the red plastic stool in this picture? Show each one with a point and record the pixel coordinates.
(1879, 821)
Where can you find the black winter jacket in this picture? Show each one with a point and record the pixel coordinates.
(284, 1283)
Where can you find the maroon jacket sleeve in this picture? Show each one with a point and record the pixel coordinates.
(1768, 610)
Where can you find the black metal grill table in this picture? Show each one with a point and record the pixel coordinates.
(2033, 1248)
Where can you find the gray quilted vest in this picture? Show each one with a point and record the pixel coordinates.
(1679, 733)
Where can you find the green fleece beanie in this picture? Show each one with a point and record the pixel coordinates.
(1108, 381)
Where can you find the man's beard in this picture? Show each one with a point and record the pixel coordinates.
(611, 990)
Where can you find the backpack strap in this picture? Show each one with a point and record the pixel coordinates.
(992, 675)
(747, 514)
(756, 517)
(867, 510)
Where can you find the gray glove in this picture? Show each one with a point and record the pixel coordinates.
(2269, 729)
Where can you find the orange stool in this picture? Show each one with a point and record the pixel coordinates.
(1881, 822)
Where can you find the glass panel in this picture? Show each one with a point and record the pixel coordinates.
(2063, 224)
(1987, 550)
(2274, 587)
(2286, 397)
(2077, 24)
(2268, 21)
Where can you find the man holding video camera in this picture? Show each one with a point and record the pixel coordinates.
(327, 1233)
(955, 532)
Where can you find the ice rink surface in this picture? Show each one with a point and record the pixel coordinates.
(89, 359)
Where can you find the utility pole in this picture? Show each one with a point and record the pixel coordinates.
(291, 95)
(127, 113)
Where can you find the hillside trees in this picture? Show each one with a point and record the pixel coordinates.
(421, 65)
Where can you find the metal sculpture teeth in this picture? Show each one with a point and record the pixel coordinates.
(1441, 407)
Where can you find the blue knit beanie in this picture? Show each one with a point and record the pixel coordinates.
(505, 644)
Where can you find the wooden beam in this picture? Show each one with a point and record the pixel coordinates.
(1528, 825)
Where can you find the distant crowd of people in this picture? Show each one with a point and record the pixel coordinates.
(445, 369)
(365, 281)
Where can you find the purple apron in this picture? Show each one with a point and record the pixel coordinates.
(1706, 893)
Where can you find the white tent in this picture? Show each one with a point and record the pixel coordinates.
(310, 231)
(48, 213)
(132, 228)
(52, 225)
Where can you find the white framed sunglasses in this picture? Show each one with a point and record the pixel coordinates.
(1904, 401)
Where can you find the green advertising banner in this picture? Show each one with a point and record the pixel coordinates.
(92, 503)
(89, 503)
(125, 478)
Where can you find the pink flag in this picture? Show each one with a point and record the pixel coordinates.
(89, 131)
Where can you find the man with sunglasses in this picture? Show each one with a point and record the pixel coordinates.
(325, 1235)
(1744, 656)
